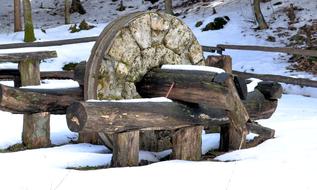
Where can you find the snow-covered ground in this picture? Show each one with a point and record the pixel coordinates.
(285, 162)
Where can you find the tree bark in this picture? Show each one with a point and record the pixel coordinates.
(187, 143)
(189, 86)
(67, 11)
(36, 127)
(259, 16)
(169, 7)
(21, 101)
(28, 23)
(17, 16)
(125, 149)
(77, 7)
(113, 117)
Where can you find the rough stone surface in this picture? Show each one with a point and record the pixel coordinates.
(149, 41)
(141, 31)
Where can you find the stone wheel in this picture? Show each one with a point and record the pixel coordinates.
(132, 45)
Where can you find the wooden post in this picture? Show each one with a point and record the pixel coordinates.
(224, 62)
(187, 143)
(125, 149)
(68, 4)
(17, 16)
(259, 16)
(36, 128)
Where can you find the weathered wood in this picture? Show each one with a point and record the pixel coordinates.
(17, 57)
(125, 149)
(36, 130)
(36, 127)
(263, 132)
(187, 143)
(49, 43)
(241, 87)
(189, 86)
(17, 16)
(224, 62)
(258, 106)
(79, 73)
(278, 78)
(271, 90)
(11, 74)
(113, 117)
(54, 101)
(295, 51)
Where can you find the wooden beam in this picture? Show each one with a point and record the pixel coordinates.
(49, 43)
(295, 51)
(11, 74)
(30, 101)
(278, 78)
(18, 57)
(113, 117)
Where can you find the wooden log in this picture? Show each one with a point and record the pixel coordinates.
(114, 117)
(263, 132)
(271, 90)
(278, 78)
(49, 43)
(125, 149)
(189, 86)
(17, 57)
(12, 74)
(224, 62)
(241, 87)
(29, 101)
(295, 51)
(36, 127)
(79, 73)
(187, 143)
(258, 106)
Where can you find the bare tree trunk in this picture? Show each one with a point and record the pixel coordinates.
(258, 15)
(17, 16)
(28, 24)
(68, 4)
(169, 7)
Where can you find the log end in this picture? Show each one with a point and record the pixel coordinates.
(76, 117)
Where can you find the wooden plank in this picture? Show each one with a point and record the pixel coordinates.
(278, 78)
(49, 43)
(17, 57)
(295, 51)
(187, 143)
(125, 149)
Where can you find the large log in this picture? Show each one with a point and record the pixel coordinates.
(114, 117)
(17, 57)
(11, 74)
(30, 101)
(187, 86)
(258, 106)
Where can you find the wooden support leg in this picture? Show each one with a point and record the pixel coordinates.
(36, 130)
(36, 127)
(187, 143)
(125, 149)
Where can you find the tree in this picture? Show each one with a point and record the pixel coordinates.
(169, 7)
(67, 11)
(258, 15)
(77, 7)
(28, 23)
(17, 16)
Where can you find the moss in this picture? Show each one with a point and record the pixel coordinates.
(73, 28)
(198, 24)
(69, 66)
(15, 148)
(85, 26)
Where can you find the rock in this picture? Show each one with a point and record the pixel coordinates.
(141, 31)
(195, 52)
(124, 47)
(270, 90)
(158, 23)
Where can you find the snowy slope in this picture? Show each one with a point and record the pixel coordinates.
(285, 162)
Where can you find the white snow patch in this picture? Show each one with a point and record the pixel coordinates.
(193, 68)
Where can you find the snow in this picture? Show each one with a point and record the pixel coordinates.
(193, 68)
(284, 162)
